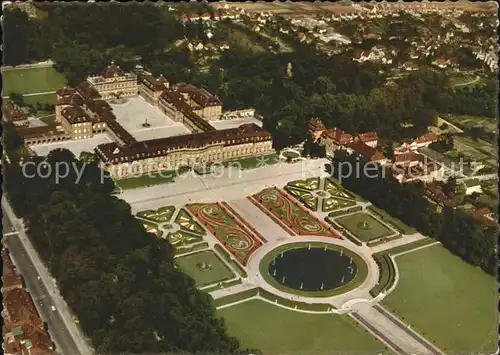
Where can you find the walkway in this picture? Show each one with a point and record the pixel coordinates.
(33, 94)
(393, 329)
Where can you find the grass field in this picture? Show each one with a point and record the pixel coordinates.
(27, 81)
(374, 230)
(254, 162)
(147, 180)
(447, 300)
(396, 223)
(274, 330)
(218, 272)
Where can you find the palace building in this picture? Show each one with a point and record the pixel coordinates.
(83, 111)
(114, 83)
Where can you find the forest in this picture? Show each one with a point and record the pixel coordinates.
(117, 278)
(455, 229)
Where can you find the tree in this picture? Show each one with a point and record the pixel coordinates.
(16, 99)
(450, 186)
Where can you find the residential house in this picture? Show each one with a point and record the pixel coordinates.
(373, 154)
(485, 216)
(436, 196)
(472, 185)
(410, 66)
(420, 142)
(23, 330)
(15, 114)
(334, 139)
(368, 138)
(411, 166)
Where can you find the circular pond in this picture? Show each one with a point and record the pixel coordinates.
(313, 269)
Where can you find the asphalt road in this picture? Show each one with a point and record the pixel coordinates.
(58, 331)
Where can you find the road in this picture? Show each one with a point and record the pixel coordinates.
(467, 83)
(63, 330)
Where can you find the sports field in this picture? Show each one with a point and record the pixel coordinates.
(373, 229)
(31, 80)
(275, 330)
(448, 301)
(217, 271)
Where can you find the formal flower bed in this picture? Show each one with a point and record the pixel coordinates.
(231, 232)
(291, 215)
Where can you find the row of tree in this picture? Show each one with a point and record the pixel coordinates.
(120, 280)
(455, 229)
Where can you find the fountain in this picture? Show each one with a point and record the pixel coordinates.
(341, 252)
(283, 279)
(363, 225)
(350, 261)
(146, 124)
(322, 286)
(274, 272)
(309, 247)
(301, 285)
(343, 279)
(204, 266)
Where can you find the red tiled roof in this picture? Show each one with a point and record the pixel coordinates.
(112, 71)
(75, 114)
(10, 278)
(155, 83)
(87, 91)
(338, 136)
(201, 96)
(368, 137)
(428, 137)
(407, 157)
(373, 154)
(13, 113)
(485, 216)
(20, 308)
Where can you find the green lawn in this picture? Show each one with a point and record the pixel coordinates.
(254, 162)
(396, 223)
(447, 300)
(147, 180)
(218, 272)
(374, 229)
(275, 330)
(42, 99)
(31, 80)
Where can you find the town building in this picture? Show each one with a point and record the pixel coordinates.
(334, 139)
(420, 142)
(412, 166)
(485, 216)
(14, 114)
(372, 154)
(434, 193)
(23, 330)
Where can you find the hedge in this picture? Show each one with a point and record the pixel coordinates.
(194, 247)
(225, 255)
(315, 307)
(222, 285)
(384, 240)
(387, 273)
(235, 297)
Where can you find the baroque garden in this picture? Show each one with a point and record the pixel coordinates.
(331, 252)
